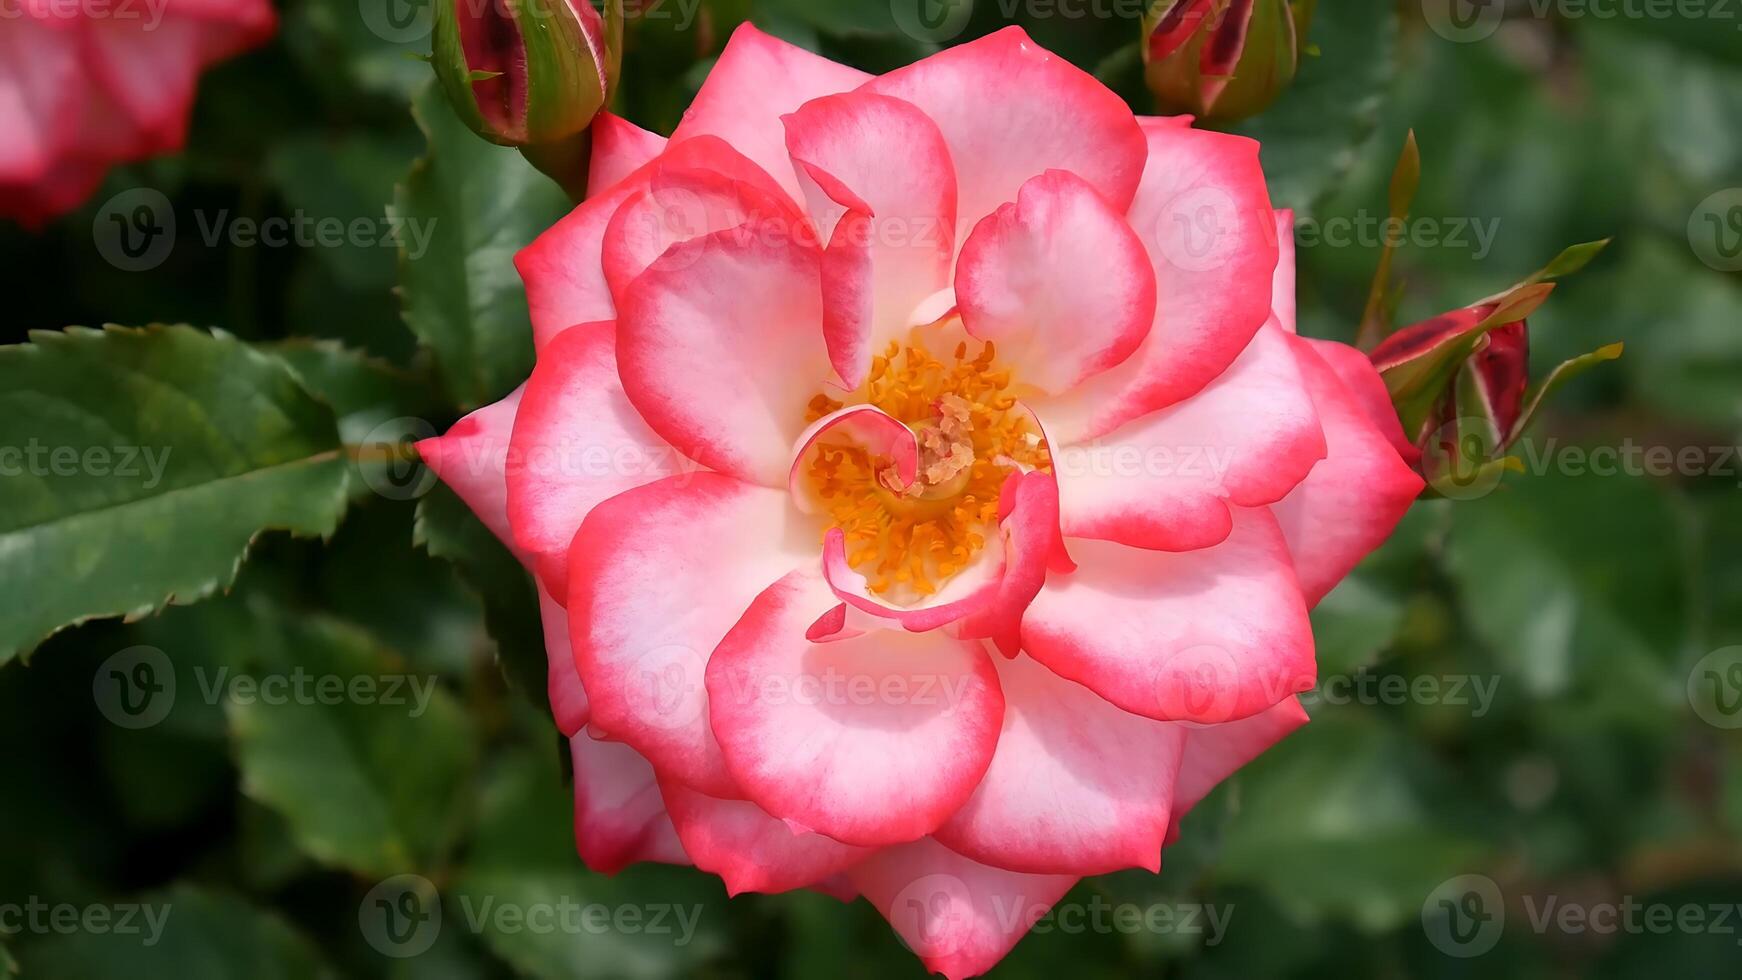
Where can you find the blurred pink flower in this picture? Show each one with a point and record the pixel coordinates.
(87, 84)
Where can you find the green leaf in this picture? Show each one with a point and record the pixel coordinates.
(362, 391)
(1345, 793)
(448, 529)
(381, 407)
(1310, 137)
(373, 778)
(1572, 259)
(202, 935)
(523, 857)
(336, 188)
(1580, 608)
(476, 204)
(1353, 624)
(1563, 372)
(148, 461)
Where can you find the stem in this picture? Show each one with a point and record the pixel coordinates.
(381, 452)
(564, 161)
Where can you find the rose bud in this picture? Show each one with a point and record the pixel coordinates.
(1222, 59)
(1461, 383)
(527, 73)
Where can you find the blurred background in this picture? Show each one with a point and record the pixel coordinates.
(1524, 759)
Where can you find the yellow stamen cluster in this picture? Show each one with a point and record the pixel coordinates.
(908, 540)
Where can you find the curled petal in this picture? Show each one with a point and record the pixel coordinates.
(1203, 213)
(890, 229)
(861, 427)
(985, 599)
(1010, 111)
(871, 740)
(757, 80)
(1059, 281)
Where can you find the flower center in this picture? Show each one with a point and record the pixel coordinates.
(907, 541)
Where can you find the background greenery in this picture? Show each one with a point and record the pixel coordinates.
(1587, 599)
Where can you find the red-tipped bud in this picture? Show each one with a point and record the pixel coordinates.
(1222, 59)
(523, 72)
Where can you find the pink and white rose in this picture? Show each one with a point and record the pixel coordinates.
(924, 481)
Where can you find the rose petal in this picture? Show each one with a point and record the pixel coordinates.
(678, 204)
(750, 850)
(577, 442)
(894, 249)
(871, 740)
(958, 915)
(658, 574)
(719, 350)
(568, 699)
(1168, 480)
(1209, 635)
(1215, 752)
(472, 459)
(1203, 212)
(1059, 281)
(619, 149)
(1351, 501)
(757, 80)
(1077, 786)
(563, 268)
(620, 817)
(1011, 110)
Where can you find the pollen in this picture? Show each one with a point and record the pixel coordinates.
(907, 541)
